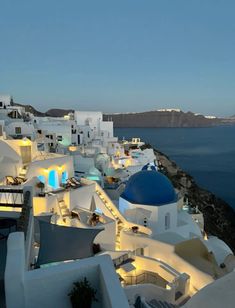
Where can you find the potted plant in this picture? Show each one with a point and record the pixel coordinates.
(82, 295)
(135, 229)
(41, 186)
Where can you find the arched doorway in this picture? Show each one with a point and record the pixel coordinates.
(53, 179)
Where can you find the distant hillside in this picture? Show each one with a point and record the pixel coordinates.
(49, 113)
(228, 121)
(172, 118)
(161, 119)
(31, 109)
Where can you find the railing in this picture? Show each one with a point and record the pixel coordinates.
(12, 197)
(127, 224)
(145, 277)
(126, 257)
(23, 221)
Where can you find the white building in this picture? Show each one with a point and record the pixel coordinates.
(5, 101)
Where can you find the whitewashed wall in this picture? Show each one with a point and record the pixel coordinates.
(49, 287)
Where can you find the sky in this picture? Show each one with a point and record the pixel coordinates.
(119, 55)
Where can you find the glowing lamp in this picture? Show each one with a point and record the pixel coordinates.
(168, 287)
(25, 141)
(72, 148)
(60, 168)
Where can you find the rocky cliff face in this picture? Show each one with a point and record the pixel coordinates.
(161, 119)
(219, 217)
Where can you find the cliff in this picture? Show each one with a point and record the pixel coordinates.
(161, 119)
(219, 217)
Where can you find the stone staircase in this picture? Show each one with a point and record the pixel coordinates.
(115, 214)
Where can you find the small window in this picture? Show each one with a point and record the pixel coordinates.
(167, 221)
(18, 130)
(1, 104)
(59, 138)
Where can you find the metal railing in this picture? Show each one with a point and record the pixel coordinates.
(145, 277)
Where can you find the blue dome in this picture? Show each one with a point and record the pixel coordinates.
(149, 188)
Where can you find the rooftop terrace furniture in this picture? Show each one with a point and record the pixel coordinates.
(10, 180)
(72, 183)
(20, 180)
(75, 181)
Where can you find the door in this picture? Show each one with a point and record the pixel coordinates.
(26, 154)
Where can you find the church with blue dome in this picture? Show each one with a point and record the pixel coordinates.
(150, 199)
(149, 188)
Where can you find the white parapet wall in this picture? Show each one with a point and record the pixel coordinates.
(149, 291)
(49, 286)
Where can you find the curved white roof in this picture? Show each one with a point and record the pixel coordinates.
(215, 295)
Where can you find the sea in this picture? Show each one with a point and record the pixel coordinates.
(207, 154)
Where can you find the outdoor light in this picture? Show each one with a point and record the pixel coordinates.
(72, 148)
(60, 168)
(25, 141)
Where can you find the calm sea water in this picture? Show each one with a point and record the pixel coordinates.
(208, 154)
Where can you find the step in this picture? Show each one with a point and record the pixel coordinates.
(65, 212)
(65, 215)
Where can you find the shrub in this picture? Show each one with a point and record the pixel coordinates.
(82, 294)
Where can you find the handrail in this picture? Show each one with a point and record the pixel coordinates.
(126, 223)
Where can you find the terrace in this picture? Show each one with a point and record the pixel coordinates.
(49, 286)
(141, 275)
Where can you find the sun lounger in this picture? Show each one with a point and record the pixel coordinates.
(10, 180)
(19, 180)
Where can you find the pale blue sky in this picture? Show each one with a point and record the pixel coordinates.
(119, 55)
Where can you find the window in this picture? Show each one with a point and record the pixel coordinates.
(25, 152)
(167, 221)
(59, 138)
(1, 104)
(18, 130)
